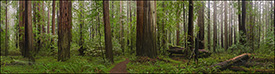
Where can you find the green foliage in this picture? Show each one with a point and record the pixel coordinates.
(49, 64)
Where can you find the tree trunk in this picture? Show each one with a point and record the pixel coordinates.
(146, 39)
(107, 30)
(121, 29)
(209, 35)
(28, 32)
(43, 20)
(225, 27)
(64, 30)
(239, 16)
(21, 28)
(81, 39)
(178, 27)
(201, 27)
(242, 26)
(222, 19)
(251, 39)
(6, 34)
(163, 31)
(1, 29)
(53, 22)
(48, 26)
(215, 27)
(190, 29)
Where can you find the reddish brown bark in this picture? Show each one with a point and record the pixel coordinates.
(201, 26)
(146, 30)
(53, 20)
(6, 34)
(21, 28)
(225, 27)
(64, 30)
(215, 27)
(107, 30)
(28, 31)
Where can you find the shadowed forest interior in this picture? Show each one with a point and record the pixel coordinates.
(132, 36)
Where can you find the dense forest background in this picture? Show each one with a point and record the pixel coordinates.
(151, 36)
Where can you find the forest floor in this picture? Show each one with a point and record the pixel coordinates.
(260, 61)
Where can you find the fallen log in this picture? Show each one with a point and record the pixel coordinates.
(226, 64)
(179, 50)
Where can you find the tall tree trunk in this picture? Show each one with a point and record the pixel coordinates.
(190, 29)
(64, 30)
(1, 29)
(274, 19)
(107, 29)
(37, 21)
(208, 27)
(81, 39)
(201, 27)
(239, 17)
(215, 27)
(121, 29)
(222, 19)
(146, 22)
(252, 27)
(225, 27)
(6, 37)
(43, 20)
(28, 31)
(184, 25)
(242, 26)
(163, 30)
(21, 28)
(48, 26)
(53, 21)
(178, 26)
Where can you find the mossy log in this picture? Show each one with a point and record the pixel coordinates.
(179, 50)
(226, 64)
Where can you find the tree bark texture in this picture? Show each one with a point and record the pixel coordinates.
(201, 27)
(28, 32)
(190, 29)
(215, 27)
(107, 30)
(146, 30)
(64, 30)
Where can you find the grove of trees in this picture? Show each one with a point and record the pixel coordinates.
(148, 28)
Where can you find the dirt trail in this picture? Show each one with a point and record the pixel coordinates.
(120, 67)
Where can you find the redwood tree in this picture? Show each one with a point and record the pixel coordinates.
(28, 31)
(208, 27)
(201, 26)
(242, 26)
(215, 27)
(81, 39)
(107, 30)
(64, 30)
(6, 35)
(190, 28)
(53, 21)
(146, 32)
(21, 28)
(225, 27)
